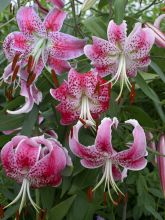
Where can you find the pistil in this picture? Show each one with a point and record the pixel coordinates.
(85, 110)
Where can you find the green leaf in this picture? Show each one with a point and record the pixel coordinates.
(4, 4)
(157, 69)
(140, 115)
(47, 195)
(30, 121)
(145, 88)
(9, 122)
(151, 210)
(60, 210)
(119, 10)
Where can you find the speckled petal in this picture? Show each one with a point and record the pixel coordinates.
(29, 22)
(58, 3)
(54, 20)
(75, 83)
(64, 46)
(59, 66)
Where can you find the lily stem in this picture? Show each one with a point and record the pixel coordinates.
(37, 200)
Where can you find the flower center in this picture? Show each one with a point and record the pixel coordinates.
(85, 110)
(24, 191)
(121, 75)
(109, 180)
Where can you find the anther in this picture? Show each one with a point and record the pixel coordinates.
(15, 73)
(90, 194)
(126, 198)
(132, 93)
(1, 211)
(30, 79)
(17, 216)
(42, 215)
(15, 60)
(97, 89)
(83, 122)
(71, 132)
(30, 64)
(54, 77)
(109, 88)
(9, 93)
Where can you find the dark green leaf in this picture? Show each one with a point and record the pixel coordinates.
(9, 122)
(119, 9)
(157, 69)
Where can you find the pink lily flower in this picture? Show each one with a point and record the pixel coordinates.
(40, 44)
(58, 3)
(159, 35)
(102, 153)
(121, 56)
(34, 162)
(32, 95)
(161, 162)
(80, 97)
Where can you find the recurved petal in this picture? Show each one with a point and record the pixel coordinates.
(60, 93)
(48, 168)
(89, 153)
(35, 94)
(104, 136)
(14, 43)
(117, 33)
(58, 3)
(139, 42)
(54, 20)
(133, 158)
(26, 155)
(29, 22)
(92, 164)
(59, 66)
(101, 52)
(64, 46)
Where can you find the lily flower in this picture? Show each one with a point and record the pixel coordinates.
(32, 95)
(40, 44)
(57, 3)
(121, 56)
(159, 35)
(161, 162)
(81, 98)
(34, 162)
(102, 154)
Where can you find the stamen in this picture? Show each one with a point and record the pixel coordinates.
(1, 211)
(132, 93)
(54, 77)
(110, 88)
(31, 79)
(83, 122)
(90, 194)
(30, 63)
(17, 217)
(71, 132)
(97, 89)
(9, 93)
(15, 60)
(42, 215)
(105, 199)
(15, 73)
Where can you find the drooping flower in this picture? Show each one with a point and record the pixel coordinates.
(34, 162)
(32, 95)
(81, 97)
(121, 56)
(40, 44)
(159, 35)
(102, 153)
(161, 162)
(58, 3)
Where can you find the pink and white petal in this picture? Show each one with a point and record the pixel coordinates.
(68, 117)
(8, 155)
(26, 155)
(14, 43)
(54, 20)
(59, 66)
(89, 82)
(75, 83)
(89, 153)
(104, 136)
(117, 175)
(101, 52)
(64, 46)
(158, 20)
(137, 150)
(103, 93)
(60, 93)
(29, 22)
(117, 34)
(35, 94)
(58, 3)
(134, 165)
(46, 169)
(106, 70)
(92, 164)
(139, 44)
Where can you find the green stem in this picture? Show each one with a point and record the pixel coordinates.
(37, 201)
(155, 152)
